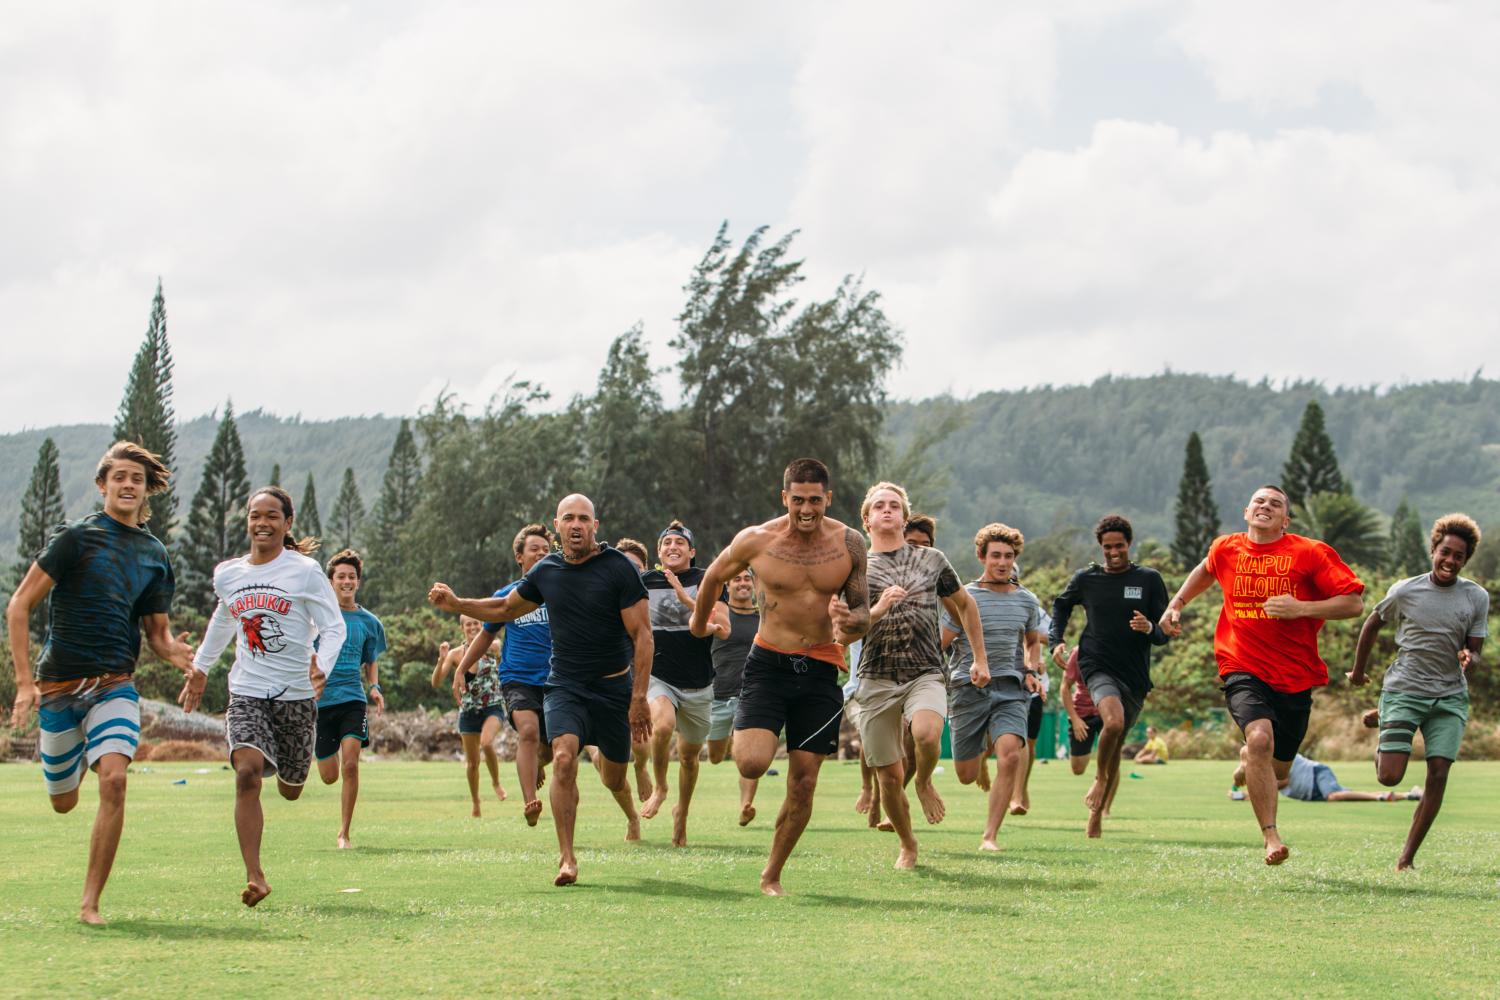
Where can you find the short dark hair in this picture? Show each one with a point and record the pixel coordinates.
(1272, 486)
(540, 531)
(924, 523)
(632, 547)
(805, 470)
(1459, 526)
(348, 557)
(1113, 522)
(306, 545)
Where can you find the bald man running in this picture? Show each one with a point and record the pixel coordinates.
(810, 580)
(600, 628)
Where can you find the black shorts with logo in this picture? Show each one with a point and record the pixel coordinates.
(596, 711)
(336, 723)
(522, 697)
(798, 692)
(1250, 698)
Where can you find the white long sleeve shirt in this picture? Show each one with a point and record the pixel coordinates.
(274, 612)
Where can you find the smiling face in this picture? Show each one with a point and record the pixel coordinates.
(1448, 559)
(1115, 548)
(124, 490)
(471, 627)
(268, 524)
(675, 553)
(576, 525)
(999, 560)
(886, 513)
(345, 580)
(1267, 512)
(742, 588)
(533, 550)
(806, 504)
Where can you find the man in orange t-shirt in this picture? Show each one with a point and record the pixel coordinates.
(1278, 589)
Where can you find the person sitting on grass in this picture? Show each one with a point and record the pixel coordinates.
(1155, 749)
(1312, 781)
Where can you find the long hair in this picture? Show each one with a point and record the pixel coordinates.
(158, 477)
(308, 545)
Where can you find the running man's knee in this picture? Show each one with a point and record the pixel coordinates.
(349, 768)
(967, 771)
(247, 779)
(527, 731)
(1079, 764)
(800, 788)
(289, 792)
(487, 743)
(1259, 742)
(65, 802)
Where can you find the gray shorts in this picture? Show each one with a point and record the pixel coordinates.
(283, 732)
(693, 705)
(721, 718)
(978, 717)
(1102, 685)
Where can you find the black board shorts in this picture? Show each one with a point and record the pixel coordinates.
(1250, 698)
(796, 692)
(595, 711)
(336, 723)
(522, 697)
(1034, 719)
(1085, 746)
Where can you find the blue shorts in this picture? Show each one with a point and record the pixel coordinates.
(1324, 783)
(597, 712)
(81, 722)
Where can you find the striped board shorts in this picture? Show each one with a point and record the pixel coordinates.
(82, 720)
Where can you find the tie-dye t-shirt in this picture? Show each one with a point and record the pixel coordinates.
(906, 643)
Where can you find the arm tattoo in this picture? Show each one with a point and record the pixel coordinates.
(856, 588)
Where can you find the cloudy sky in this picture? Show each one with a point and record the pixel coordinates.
(353, 205)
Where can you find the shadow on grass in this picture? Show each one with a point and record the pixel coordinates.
(914, 905)
(430, 851)
(1353, 887)
(664, 887)
(171, 931)
(695, 848)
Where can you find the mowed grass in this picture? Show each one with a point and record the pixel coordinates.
(1174, 900)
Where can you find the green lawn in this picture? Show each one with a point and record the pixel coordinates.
(1173, 901)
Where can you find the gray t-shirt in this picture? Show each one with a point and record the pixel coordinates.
(1432, 624)
(904, 644)
(1005, 618)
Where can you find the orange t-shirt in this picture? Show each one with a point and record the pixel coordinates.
(1281, 652)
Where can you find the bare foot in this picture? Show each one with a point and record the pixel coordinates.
(532, 811)
(500, 793)
(1371, 719)
(255, 892)
(632, 829)
(983, 781)
(988, 844)
(747, 813)
(541, 776)
(1403, 865)
(1016, 809)
(771, 886)
(932, 803)
(862, 804)
(1096, 824)
(679, 826)
(906, 859)
(475, 812)
(1095, 797)
(567, 873)
(886, 826)
(643, 786)
(1275, 855)
(344, 842)
(654, 803)
(90, 915)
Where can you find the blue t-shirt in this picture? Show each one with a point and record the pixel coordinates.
(363, 643)
(585, 599)
(108, 577)
(527, 653)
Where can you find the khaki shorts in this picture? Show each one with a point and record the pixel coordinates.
(884, 705)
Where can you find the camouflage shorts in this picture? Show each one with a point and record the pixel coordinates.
(283, 732)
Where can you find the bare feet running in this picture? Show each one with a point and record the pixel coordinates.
(983, 781)
(475, 811)
(932, 803)
(500, 793)
(643, 787)
(255, 892)
(632, 830)
(886, 826)
(541, 776)
(1096, 824)
(747, 813)
(1276, 852)
(988, 844)
(1094, 799)
(679, 827)
(906, 859)
(862, 804)
(344, 842)
(532, 811)
(653, 804)
(771, 887)
(1016, 809)
(90, 915)
(567, 873)
(1403, 865)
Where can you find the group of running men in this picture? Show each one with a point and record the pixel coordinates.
(602, 653)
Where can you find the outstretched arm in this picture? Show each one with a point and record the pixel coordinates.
(32, 591)
(962, 609)
(850, 608)
(730, 563)
(637, 622)
(1199, 580)
(174, 649)
(485, 609)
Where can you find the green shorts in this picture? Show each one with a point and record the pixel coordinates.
(1441, 721)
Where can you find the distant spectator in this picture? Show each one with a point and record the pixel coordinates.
(1155, 751)
(1311, 781)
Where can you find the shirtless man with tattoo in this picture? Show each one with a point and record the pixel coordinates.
(810, 584)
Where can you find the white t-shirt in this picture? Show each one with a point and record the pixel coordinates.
(274, 612)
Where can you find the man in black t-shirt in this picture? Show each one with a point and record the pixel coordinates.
(681, 692)
(1124, 602)
(601, 661)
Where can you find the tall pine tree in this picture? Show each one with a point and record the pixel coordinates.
(1312, 467)
(145, 415)
(276, 474)
(348, 513)
(1197, 514)
(216, 522)
(41, 512)
(307, 519)
(399, 493)
(1407, 548)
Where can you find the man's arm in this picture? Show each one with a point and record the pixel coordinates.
(1285, 607)
(1469, 656)
(963, 609)
(220, 633)
(1199, 580)
(946, 638)
(1075, 721)
(637, 621)
(1062, 609)
(174, 649)
(850, 609)
(371, 674)
(32, 591)
(485, 609)
(1367, 633)
(730, 563)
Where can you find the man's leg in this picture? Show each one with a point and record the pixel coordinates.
(105, 840)
(687, 780)
(747, 799)
(1427, 810)
(641, 755)
(248, 764)
(614, 776)
(1111, 735)
(528, 766)
(349, 770)
(1020, 801)
(663, 723)
(718, 750)
(898, 810)
(328, 769)
(564, 797)
(487, 736)
(927, 736)
(796, 810)
(471, 768)
(754, 750)
(1009, 760)
(1261, 784)
(908, 753)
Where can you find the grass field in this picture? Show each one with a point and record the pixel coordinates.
(1174, 900)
